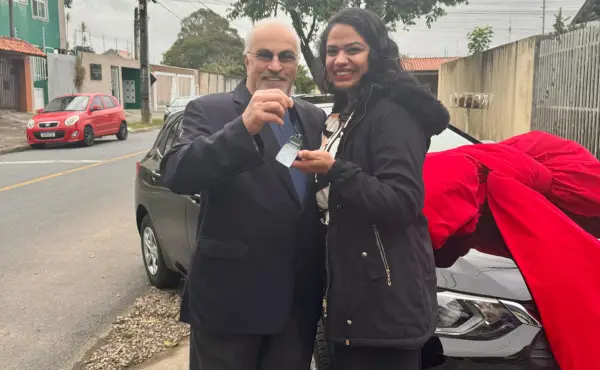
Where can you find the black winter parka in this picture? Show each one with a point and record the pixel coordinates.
(381, 278)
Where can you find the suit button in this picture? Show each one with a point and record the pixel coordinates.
(364, 254)
(349, 322)
(338, 207)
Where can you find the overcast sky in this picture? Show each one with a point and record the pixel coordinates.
(110, 23)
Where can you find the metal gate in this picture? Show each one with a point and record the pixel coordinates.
(567, 87)
(10, 74)
(114, 83)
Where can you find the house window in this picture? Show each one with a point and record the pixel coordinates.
(39, 8)
(96, 72)
(40, 68)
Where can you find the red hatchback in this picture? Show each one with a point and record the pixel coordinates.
(77, 118)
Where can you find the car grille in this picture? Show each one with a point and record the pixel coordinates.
(58, 135)
(541, 354)
(48, 124)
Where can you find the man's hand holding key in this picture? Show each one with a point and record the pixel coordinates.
(264, 107)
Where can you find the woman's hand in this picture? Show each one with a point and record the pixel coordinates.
(315, 161)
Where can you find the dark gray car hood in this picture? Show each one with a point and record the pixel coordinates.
(487, 275)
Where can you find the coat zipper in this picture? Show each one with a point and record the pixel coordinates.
(328, 273)
(383, 255)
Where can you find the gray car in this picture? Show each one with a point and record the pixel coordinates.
(487, 318)
(177, 105)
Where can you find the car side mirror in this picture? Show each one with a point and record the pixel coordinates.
(95, 108)
(168, 105)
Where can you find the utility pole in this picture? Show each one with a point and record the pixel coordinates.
(509, 27)
(144, 70)
(544, 17)
(11, 18)
(136, 33)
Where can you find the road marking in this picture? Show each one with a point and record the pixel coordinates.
(53, 161)
(62, 173)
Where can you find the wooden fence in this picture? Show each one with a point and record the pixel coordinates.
(567, 87)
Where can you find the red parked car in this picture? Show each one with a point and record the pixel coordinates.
(77, 118)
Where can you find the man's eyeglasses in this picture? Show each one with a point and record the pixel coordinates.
(286, 56)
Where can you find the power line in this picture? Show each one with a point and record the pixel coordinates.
(169, 10)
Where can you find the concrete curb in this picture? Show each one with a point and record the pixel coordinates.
(139, 130)
(22, 148)
(15, 149)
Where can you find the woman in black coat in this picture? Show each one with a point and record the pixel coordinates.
(380, 304)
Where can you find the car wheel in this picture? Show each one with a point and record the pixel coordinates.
(123, 131)
(88, 136)
(37, 146)
(154, 263)
(322, 355)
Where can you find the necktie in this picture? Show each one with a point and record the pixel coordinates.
(283, 134)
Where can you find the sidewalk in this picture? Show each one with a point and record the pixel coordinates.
(12, 131)
(174, 359)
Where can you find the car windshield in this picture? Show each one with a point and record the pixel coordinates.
(448, 139)
(71, 103)
(180, 102)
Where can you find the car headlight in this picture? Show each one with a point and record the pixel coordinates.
(71, 120)
(475, 318)
(30, 123)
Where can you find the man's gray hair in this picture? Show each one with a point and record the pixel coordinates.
(267, 22)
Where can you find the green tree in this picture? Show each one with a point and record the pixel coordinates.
(560, 23)
(309, 16)
(304, 83)
(207, 41)
(480, 39)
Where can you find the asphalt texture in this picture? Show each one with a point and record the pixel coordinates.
(70, 258)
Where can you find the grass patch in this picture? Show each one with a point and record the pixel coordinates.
(157, 122)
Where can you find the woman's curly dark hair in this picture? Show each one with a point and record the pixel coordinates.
(385, 75)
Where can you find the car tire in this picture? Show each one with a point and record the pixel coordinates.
(322, 353)
(156, 268)
(38, 146)
(123, 131)
(89, 137)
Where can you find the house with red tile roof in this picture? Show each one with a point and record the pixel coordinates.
(120, 53)
(425, 70)
(16, 77)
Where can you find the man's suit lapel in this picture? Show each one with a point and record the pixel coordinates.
(269, 147)
(312, 132)
(266, 142)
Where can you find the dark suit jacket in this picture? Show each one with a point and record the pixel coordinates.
(260, 249)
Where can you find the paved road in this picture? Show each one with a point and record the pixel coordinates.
(69, 251)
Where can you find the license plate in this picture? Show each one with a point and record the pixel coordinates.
(48, 134)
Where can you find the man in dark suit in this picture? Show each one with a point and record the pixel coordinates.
(253, 290)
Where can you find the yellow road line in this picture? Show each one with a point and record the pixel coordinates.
(48, 177)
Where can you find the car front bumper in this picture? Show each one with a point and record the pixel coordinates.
(525, 348)
(60, 134)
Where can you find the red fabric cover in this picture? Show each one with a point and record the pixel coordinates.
(536, 198)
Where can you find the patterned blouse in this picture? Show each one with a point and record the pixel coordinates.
(334, 131)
